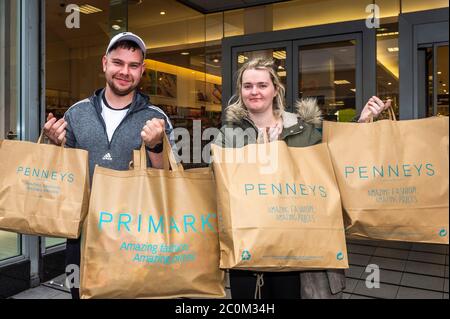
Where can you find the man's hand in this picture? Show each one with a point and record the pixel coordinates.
(55, 130)
(373, 109)
(153, 132)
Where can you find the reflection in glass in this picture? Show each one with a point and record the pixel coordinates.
(73, 56)
(51, 242)
(388, 66)
(442, 80)
(10, 245)
(327, 73)
(429, 73)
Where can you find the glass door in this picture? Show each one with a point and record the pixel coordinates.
(15, 252)
(326, 68)
(433, 79)
(329, 69)
(280, 52)
(10, 243)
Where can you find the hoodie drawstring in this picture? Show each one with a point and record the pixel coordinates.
(259, 284)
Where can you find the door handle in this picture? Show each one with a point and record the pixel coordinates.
(11, 135)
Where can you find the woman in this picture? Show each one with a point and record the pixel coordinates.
(259, 111)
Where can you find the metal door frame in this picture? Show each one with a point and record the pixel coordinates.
(336, 38)
(314, 33)
(417, 29)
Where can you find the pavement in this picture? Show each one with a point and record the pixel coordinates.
(406, 271)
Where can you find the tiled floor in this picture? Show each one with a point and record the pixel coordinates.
(53, 289)
(407, 271)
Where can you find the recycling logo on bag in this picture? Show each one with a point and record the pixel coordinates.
(443, 232)
(246, 255)
(340, 256)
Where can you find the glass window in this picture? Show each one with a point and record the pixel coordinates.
(429, 76)
(73, 55)
(419, 5)
(183, 69)
(51, 242)
(387, 64)
(388, 8)
(442, 80)
(233, 23)
(302, 13)
(10, 243)
(328, 73)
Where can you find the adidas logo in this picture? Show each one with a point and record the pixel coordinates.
(107, 157)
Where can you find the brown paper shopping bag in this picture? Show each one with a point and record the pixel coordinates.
(44, 189)
(279, 208)
(151, 233)
(393, 178)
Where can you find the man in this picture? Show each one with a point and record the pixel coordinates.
(114, 121)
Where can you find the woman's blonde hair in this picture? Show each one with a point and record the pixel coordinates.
(259, 64)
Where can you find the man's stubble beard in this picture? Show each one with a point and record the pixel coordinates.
(119, 92)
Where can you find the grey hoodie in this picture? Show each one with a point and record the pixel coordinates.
(86, 130)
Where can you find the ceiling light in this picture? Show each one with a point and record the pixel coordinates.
(443, 84)
(88, 9)
(242, 59)
(395, 49)
(387, 34)
(439, 72)
(353, 90)
(280, 55)
(115, 27)
(162, 13)
(389, 83)
(341, 82)
(338, 103)
(184, 53)
(216, 60)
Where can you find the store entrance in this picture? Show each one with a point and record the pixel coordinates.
(329, 67)
(433, 79)
(18, 253)
(424, 68)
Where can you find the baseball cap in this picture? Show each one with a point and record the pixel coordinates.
(127, 36)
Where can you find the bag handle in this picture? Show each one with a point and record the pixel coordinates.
(41, 139)
(391, 112)
(392, 116)
(169, 161)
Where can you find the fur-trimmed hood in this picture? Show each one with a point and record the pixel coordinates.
(307, 111)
